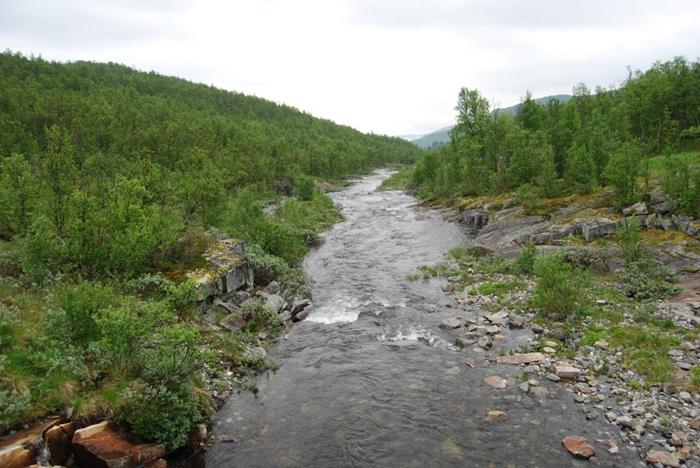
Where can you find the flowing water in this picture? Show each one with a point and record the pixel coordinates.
(369, 379)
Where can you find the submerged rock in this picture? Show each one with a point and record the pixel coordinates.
(451, 323)
(496, 381)
(578, 446)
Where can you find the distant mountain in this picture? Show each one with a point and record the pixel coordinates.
(442, 136)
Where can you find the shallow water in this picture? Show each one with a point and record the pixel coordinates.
(369, 379)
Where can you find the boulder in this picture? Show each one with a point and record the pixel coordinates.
(593, 229)
(302, 315)
(285, 316)
(526, 358)
(16, 456)
(497, 318)
(274, 302)
(463, 341)
(578, 446)
(511, 229)
(450, 323)
(475, 218)
(105, 446)
(638, 209)
(298, 305)
(58, 442)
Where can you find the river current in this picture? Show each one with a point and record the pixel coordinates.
(369, 379)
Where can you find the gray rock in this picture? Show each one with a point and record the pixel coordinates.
(485, 342)
(593, 229)
(475, 218)
(450, 323)
(273, 302)
(285, 316)
(298, 305)
(463, 341)
(638, 209)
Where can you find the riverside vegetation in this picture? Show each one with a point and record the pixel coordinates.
(113, 183)
(586, 229)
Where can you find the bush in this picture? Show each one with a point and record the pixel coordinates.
(525, 261)
(78, 306)
(182, 296)
(560, 287)
(629, 240)
(586, 258)
(267, 268)
(647, 279)
(161, 413)
(258, 317)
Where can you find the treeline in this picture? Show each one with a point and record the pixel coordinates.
(102, 167)
(597, 138)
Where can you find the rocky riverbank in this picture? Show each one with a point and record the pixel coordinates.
(626, 363)
(230, 299)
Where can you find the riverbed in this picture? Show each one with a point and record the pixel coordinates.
(369, 379)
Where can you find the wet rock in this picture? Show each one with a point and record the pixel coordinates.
(58, 443)
(285, 316)
(302, 315)
(485, 342)
(494, 415)
(475, 218)
(578, 446)
(553, 377)
(663, 458)
(16, 456)
(102, 445)
(525, 387)
(450, 323)
(298, 305)
(493, 329)
(539, 392)
(525, 358)
(159, 463)
(496, 381)
(638, 209)
(463, 341)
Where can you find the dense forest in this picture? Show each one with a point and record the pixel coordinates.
(606, 137)
(112, 182)
(103, 166)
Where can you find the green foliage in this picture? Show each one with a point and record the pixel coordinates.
(259, 317)
(629, 239)
(525, 261)
(163, 413)
(559, 290)
(647, 279)
(77, 308)
(182, 296)
(621, 172)
(681, 182)
(267, 267)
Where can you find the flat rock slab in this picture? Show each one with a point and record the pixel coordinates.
(578, 446)
(526, 358)
(567, 372)
(102, 445)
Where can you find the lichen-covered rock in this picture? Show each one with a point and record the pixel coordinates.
(638, 209)
(596, 228)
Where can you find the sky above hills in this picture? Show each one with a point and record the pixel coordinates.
(387, 66)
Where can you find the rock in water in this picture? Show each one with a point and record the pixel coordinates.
(567, 372)
(578, 446)
(494, 415)
(496, 381)
(102, 445)
(450, 323)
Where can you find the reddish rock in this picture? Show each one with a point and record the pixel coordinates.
(104, 446)
(694, 424)
(578, 446)
(159, 463)
(16, 456)
(58, 443)
(664, 458)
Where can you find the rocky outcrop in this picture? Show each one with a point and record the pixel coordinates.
(475, 218)
(23, 448)
(227, 272)
(104, 446)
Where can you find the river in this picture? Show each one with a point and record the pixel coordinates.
(369, 379)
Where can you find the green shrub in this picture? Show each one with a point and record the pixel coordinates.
(267, 268)
(629, 240)
(162, 413)
(586, 258)
(78, 306)
(559, 292)
(647, 279)
(304, 188)
(525, 261)
(258, 317)
(8, 321)
(182, 296)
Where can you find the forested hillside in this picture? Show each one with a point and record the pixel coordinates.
(605, 137)
(114, 183)
(98, 158)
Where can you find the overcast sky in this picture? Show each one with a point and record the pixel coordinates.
(388, 66)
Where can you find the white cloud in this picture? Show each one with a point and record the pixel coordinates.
(386, 66)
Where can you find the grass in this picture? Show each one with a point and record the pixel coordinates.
(400, 180)
(498, 288)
